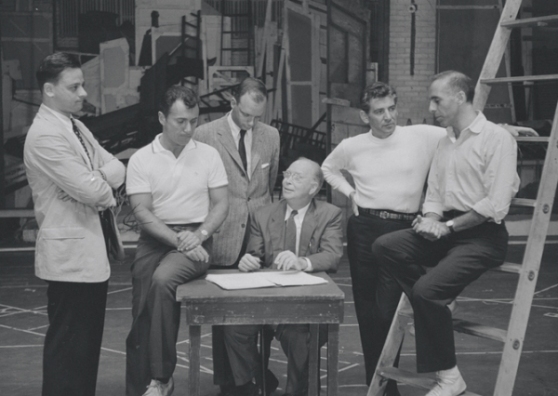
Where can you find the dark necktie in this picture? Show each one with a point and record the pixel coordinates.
(290, 233)
(80, 138)
(242, 149)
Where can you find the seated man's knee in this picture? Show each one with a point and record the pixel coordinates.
(161, 280)
(286, 333)
(423, 290)
(241, 334)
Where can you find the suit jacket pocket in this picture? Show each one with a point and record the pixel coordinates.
(62, 248)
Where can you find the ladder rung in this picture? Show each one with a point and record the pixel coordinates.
(236, 15)
(235, 49)
(406, 313)
(502, 80)
(528, 203)
(236, 32)
(493, 333)
(413, 379)
(406, 377)
(509, 267)
(530, 22)
(533, 139)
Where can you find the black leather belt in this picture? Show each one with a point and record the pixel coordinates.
(387, 214)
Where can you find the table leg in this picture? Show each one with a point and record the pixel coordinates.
(194, 356)
(313, 361)
(332, 358)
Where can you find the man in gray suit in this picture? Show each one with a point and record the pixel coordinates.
(250, 151)
(296, 233)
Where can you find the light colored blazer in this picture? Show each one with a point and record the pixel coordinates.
(70, 245)
(321, 236)
(245, 194)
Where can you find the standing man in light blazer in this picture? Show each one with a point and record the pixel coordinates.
(250, 152)
(72, 178)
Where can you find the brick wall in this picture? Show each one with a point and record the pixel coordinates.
(412, 90)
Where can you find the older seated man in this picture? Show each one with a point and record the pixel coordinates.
(296, 233)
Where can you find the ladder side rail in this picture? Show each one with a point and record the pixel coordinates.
(394, 340)
(495, 52)
(530, 269)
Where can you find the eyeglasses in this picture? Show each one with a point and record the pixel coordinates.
(296, 177)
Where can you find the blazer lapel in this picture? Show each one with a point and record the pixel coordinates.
(257, 144)
(70, 135)
(307, 230)
(226, 139)
(277, 228)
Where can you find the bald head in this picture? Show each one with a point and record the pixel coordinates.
(301, 182)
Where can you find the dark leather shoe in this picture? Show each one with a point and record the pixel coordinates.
(271, 382)
(226, 390)
(248, 389)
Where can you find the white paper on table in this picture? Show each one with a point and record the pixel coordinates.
(251, 280)
(293, 278)
(255, 280)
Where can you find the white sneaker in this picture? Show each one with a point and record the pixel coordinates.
(157, 388)
(448, 383)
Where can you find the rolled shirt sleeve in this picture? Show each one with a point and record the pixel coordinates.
(500, 179)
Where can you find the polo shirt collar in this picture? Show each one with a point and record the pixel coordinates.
(158, 147)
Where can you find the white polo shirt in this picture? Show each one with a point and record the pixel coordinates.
(179, 186)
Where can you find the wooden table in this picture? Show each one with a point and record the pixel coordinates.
(208, 304)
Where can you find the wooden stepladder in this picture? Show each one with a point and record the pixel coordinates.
(528, 271)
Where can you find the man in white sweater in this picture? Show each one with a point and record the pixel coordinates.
(389, 166)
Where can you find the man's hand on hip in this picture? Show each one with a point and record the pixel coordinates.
(249, 263)
(353, 203)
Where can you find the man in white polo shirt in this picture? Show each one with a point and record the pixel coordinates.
(178, 191)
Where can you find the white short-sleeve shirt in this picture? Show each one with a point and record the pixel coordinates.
(179, 186)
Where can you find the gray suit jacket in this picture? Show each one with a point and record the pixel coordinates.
(321, 237)
(245, 194)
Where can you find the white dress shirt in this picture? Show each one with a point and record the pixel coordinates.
(235, 129)
(477, 171)
(298, 219)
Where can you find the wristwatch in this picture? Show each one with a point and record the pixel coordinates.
(204, 233)
(449, 224)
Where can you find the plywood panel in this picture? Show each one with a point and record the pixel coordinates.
(468, 56)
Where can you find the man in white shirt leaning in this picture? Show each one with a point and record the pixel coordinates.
(472, 181)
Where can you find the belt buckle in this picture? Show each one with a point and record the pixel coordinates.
(384, 215)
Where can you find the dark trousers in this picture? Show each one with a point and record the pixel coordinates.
(295, 342)
(362, 231)
(455, 261)
(222, 371)
(76, 315)
(157, 271)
